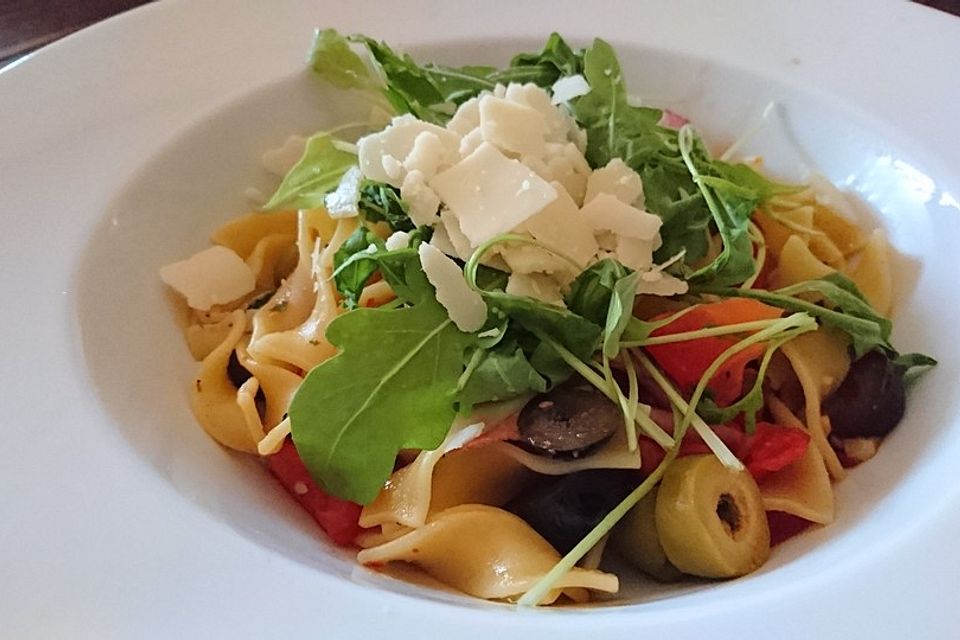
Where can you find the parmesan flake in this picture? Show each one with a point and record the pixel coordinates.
(465, 306)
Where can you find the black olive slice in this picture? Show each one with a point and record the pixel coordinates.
(570, 420)
(871, 399)
(564, 509)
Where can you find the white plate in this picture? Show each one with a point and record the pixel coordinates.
(123, 145)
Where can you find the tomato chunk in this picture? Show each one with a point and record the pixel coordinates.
(685, 362)
(338, 518)
(768, 449)
(773, 447)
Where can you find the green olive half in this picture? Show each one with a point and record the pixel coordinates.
(637, 541)
(711, 519)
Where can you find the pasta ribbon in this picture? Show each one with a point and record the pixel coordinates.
(820, 362)
(499, 556)
(242, 234)
(291, 327)
(803, 488)
(214, 398)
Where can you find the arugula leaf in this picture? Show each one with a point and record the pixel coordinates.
(731, 214)
(354, 263)
(490, 279)
(744, 176)
(381, 202)
(332, 59)
(498, 374)
(615, 129)
(670, 193)
(430, 92)
(553, 62)
(403, 272)
(908, 361)
(579, 335)
(316, 173)
(591, 291)
(619, 312)
(391, 387)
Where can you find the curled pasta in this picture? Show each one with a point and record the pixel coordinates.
(214, 398)
(802, 488)
(499, 556)
(269, 258)
(820, 362)
(244, 233)
(303, 343)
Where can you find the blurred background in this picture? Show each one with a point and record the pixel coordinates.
(26, 25)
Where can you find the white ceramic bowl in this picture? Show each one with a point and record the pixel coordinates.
(127, 144)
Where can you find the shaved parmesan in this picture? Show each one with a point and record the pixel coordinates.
(213, 276)
(568, 88)
(526, 258)
(535, 285)
(606, 213)
(618, 180)
(422, 201)
(464, 305)
(513, 128)
(397, 240)
(441, 240)
(467, 117)
(426, 155)
(634, 253)
(343, 201)
(491, 193)
(381, 155)
(470, 142)
(561, 227)
(460, 242)
(554, 119)
(659, 283)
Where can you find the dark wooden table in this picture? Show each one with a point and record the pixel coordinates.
(26, 25)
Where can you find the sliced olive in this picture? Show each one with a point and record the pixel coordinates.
(637, 540)
(570, 420)
(871, 399)
(711, 519)
(564, 509)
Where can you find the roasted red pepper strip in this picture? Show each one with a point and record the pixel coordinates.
(685, 362)
(338, 518)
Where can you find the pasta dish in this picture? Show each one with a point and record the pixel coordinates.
(521, 332)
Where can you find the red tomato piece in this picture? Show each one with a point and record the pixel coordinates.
(773, 447)
(769, 449)
(338, 518)
(685, 362)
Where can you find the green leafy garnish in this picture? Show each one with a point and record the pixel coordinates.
(325, 159)
(332, 59)
(354, 262)
(355, 411)
(431, 92)
(380, 202)
(496, 374)
(591, 291)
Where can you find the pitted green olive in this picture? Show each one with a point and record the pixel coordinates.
(711, 519)
(637, 540)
